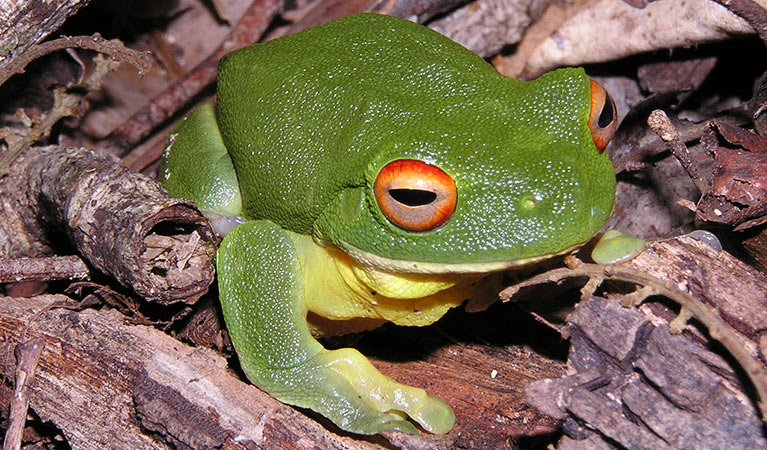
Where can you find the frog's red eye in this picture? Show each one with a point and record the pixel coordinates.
(603, 118)
(414, 195)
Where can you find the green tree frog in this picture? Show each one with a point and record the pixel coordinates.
(382, 170)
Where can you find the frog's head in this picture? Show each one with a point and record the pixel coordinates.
(514, 177)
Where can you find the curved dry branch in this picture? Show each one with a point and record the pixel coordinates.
(115, 49)
(691, 307)
(47, 268)
(250, 28)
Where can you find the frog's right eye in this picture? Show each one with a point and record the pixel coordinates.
(414, 195)
(603, 118)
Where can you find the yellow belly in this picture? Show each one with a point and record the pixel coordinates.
(339, 289)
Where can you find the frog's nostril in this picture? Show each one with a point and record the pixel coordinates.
(528, 202)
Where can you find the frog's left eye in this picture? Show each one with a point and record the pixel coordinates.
(414, 195)
(603, 118)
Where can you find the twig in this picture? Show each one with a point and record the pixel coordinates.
(250, 28)
(114, 48)
(707, 315)
(27, 357)
(662, 126)
(65, 103)
(48, 268)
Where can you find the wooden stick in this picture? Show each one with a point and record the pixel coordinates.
(250, 28)
(27, 356)
(43, 269)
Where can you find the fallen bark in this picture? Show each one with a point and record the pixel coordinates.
(27, 356)
(638, 384)
(105, 384)
(45, 269)
(122, 222)
(715, 278)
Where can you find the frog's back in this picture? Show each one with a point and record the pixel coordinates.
(321, 104)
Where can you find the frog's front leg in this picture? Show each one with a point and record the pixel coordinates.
(261, 290)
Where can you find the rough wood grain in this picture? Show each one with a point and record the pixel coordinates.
(24, 22)
(50, 268)
(637, 385)
(717, 278)
(122, 222)
(104, 384)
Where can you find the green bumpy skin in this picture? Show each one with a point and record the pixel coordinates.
(219, 190)
(309, 120)
(371, 89)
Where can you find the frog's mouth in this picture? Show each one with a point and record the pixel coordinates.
(380, 263)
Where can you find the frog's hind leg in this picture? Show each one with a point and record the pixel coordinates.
(261, 290)
(196, 165)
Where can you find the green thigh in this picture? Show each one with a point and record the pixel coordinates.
(260, 284)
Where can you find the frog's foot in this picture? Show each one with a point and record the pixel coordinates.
(365, 400)
(614, 247)
(261, 292)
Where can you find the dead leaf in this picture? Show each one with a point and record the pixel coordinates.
(611, 29)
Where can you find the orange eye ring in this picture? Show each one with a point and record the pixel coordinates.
(414, 195)
(603, 118)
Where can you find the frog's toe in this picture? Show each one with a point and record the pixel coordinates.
(614, 247)
(381, 393)
(435, 416)
(315, 386)
(388, 423)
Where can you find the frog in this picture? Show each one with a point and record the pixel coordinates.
(382, 173)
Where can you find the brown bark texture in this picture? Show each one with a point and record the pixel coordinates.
(640, 386)
(122, 222)
(24, 22)
(106, 384)
(51, 268)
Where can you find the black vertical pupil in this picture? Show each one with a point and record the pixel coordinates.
(608, 111)
(413, 197)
